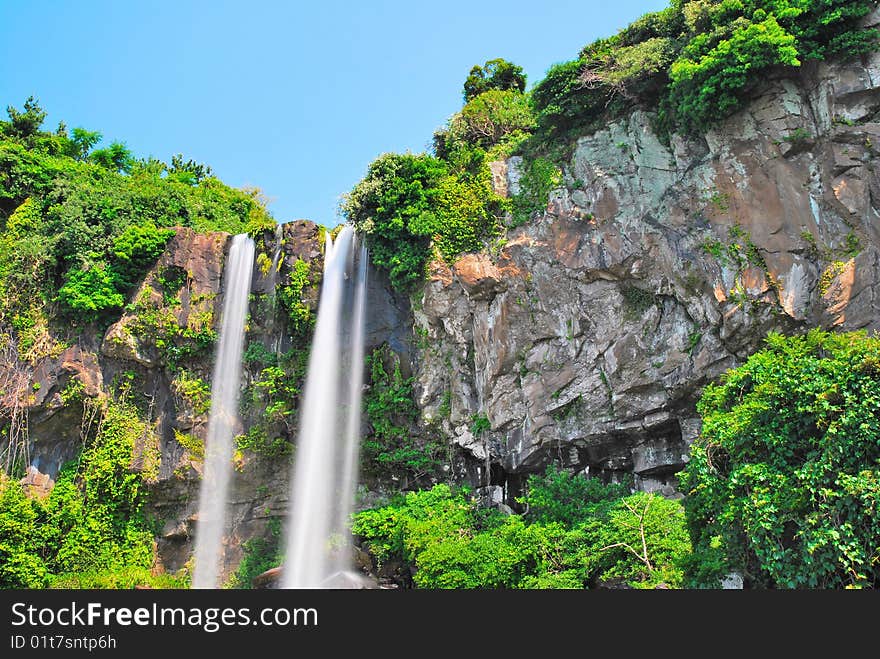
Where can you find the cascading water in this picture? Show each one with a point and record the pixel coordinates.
(225, 390)
(354, 368)
(325, 472)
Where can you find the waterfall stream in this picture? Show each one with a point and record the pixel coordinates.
(225, 389)
(325, 473)
(325, 470)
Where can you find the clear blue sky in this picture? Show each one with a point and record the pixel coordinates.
(296, 98)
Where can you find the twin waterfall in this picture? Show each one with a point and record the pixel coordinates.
(326, 455)
(224, 413)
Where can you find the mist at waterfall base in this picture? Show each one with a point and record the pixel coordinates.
(324, 475)
(225, 390)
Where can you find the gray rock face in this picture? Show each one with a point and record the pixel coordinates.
(590, 335)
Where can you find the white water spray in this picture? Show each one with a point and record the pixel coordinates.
(325, 470)
(224, 413)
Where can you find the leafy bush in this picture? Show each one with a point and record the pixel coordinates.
(290, 295)
(492, 118)
(711, 75)
(260, 554)
(784, 481)
(21, 565)
(538, 178)
(407, 202)
(87, 293)
(137, 248)
(698, 59)
(496, 74)
(559, 496)
(274, 395)
(448, 541)
(562, 102)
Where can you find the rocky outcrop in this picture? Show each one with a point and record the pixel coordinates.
(589, 336)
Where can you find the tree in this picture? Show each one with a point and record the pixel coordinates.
(189, 171)
(116, 158)
(23, 125)
(494, 74)
(783, 484)
(489, 119)
(82, 142)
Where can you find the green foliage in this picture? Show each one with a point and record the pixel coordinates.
(260, 554)
(88, 293)
(257, 441)
(136, 249)
(189, 171)
(391, 448)
(563, 103)
(91, 529)
(193, 445)
(82, 142)
(126, 578)
(784, 481)
(560, 496)
(158, 326)
(493, 118)
(279, 387)
(115, 158)
(496, 74)
(274, 394)
(697, 60)
(714, 70)
(192, 391)
(563, 542)
(539, 177)
(290, 296)
(171, 279)
(257, 354)
(643, 542)
(80, 226)
(20, 563)
(408, 202)
(479, 424)
(26, 124)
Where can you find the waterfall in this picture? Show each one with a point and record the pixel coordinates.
(224, 414)
(325, 467)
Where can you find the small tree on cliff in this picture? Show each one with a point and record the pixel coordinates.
(784, 482)
(494, 74)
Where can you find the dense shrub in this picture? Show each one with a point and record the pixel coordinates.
(699, 59)
(391, 449)
(496, 74)
(783, 484)
(606, 538)
(492, 118)
(410, 204)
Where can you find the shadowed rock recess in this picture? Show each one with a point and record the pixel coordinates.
(586, 338)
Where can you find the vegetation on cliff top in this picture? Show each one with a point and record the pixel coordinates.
(694, 63)
(79, 226)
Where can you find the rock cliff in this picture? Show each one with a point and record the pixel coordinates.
(588, 334)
